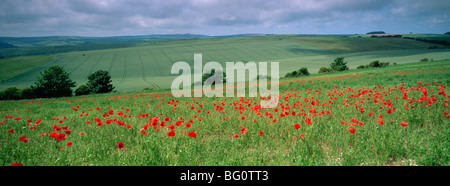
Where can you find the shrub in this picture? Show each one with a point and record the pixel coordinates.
(82, 90)
(374, 64)
(324, 70)
(384, 64)
(339, 64)
(424, 60)
(53, 82)
(213, 71)
(100, 82)
(27, 93)
(360, 67)
(303, 72)
(11, 93)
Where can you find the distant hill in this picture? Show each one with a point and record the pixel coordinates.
(376, 32)
(6, 45)
(81, 40)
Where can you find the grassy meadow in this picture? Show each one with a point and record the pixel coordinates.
(391, 116)
(358, 118)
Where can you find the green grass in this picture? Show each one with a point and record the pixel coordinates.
(137, 65)
(10, 67)
(326, 141)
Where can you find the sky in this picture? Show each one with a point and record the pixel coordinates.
(27, 18)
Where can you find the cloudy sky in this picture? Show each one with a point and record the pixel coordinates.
(220, 17)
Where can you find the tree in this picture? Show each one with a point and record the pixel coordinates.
(324, 70)
(11, 93)
(82, 90)
(374, 64)
(339, 64)
(27, 93)
(53, 82)
(100, 82)
(303, 71)
(213, 71)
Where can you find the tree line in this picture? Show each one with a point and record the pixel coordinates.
(56, 82)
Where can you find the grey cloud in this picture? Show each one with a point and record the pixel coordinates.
(119, 17)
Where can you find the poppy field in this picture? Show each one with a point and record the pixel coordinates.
(395, 116)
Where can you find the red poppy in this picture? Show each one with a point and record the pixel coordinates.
(243, 130)
(192, 134)
(61, 137)
(171, 133)
(236, 135)
(17, 164)
(11, 131)
(69, 144)
(121, 145)
(53, 134)
(308, 121)
(352, 130)
(380, 121)
(24, 139)
(261, 133)
(297, 126)
(404, 124)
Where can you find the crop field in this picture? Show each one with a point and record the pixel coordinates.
(147, 64)
(397, 115)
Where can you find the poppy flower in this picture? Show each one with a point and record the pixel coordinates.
(192, 134)
(243, 130)
(53, 134)
(171, 133)
(24, 139)
(236, 135)
(404, 124)
(297, 126)
(11, 131)
(261, 133)
(352, 130)
(120, 145)
(17, 164)
(308, 121)
(69, 144)
(61, 137)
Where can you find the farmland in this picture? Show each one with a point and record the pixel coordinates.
(134, 66)
(397, 115)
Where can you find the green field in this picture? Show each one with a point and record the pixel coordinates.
(134, 66)
(357, 118)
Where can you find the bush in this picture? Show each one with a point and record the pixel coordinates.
(100, 82)
(384, 64)
(324, 70)
(27, 93)
(213, 71)
(82, 90)
(303, 72)
(339, 64)
(360, 67)
(424, 60)
(374, 64)
(53, 82)
(11, 93)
